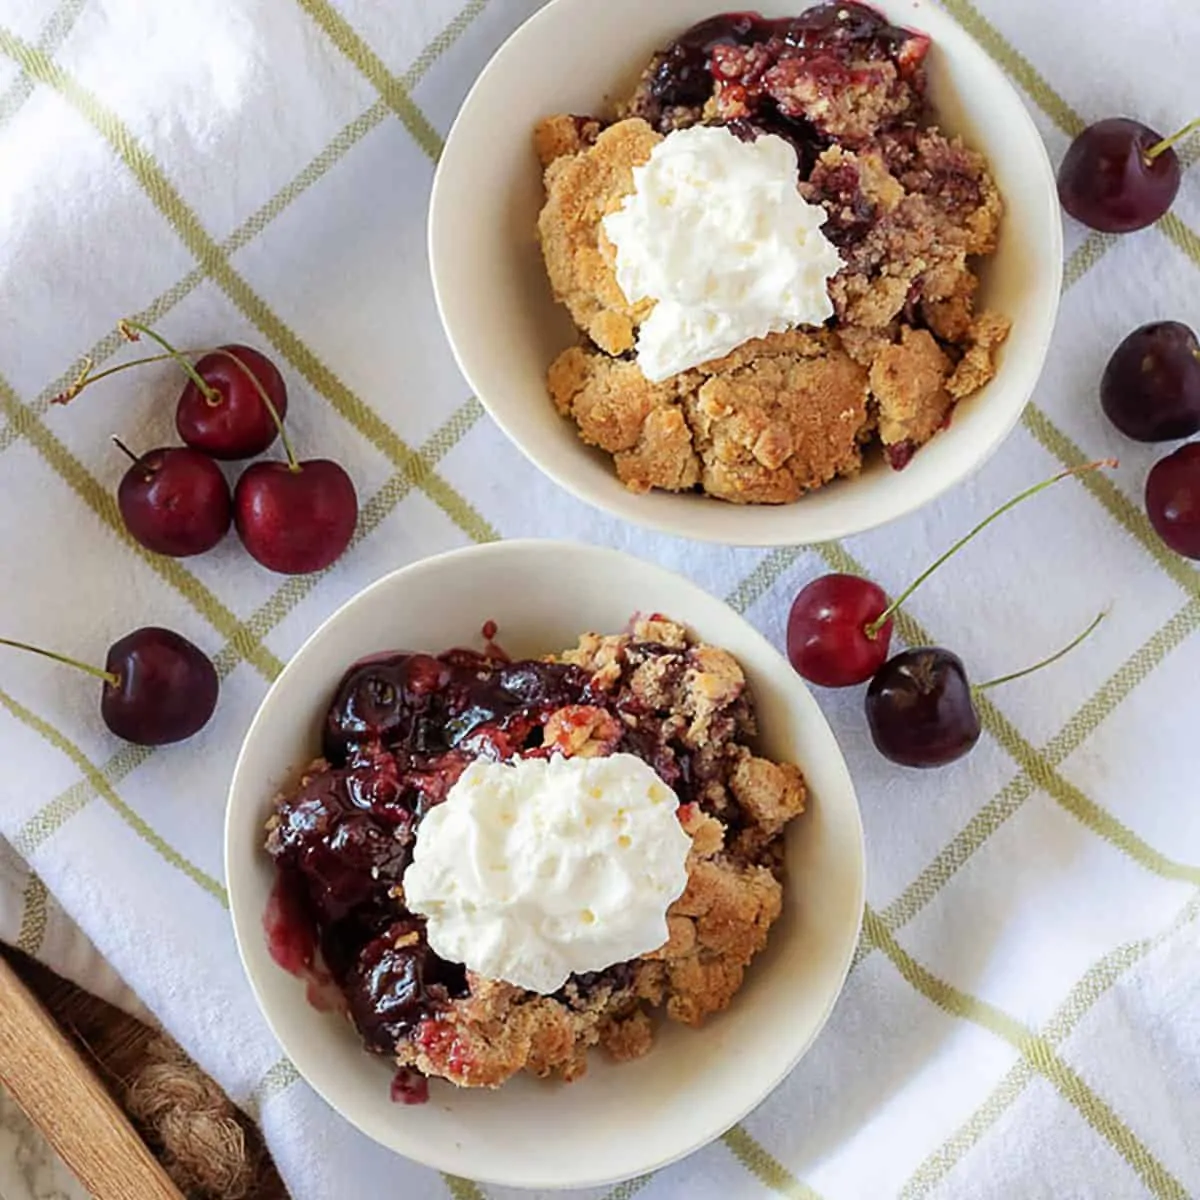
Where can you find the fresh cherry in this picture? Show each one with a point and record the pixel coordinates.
(920, 709)
(1173, 499)
(228, 419)
(840, 626)
(829, 633)
(1151, 386)
(233, 405)
(295, 517)
(158, 687)
(1119, 175)
(175, 501)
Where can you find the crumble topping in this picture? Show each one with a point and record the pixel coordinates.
(399, 733)
(911, 211)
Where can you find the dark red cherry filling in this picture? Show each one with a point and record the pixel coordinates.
(395, 982)
(764, 73)
(399, 732)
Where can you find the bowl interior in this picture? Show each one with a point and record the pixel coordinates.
(618, 1121)
(579, 56)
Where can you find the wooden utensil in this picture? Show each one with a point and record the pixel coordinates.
(62, 1096)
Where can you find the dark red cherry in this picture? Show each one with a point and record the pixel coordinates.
(1115, 178)
(837, 634)
(1151, 386)
(232, 422)
(158, 687)
(295, 518)
(1173, 499)
(175, 501)
(920, 709)
(166, 688)
(828, 640)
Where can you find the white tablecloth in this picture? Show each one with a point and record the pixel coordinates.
(1024, 1018)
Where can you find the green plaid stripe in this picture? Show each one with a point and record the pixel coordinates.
(105, 789)
(1080, 1001)
(38, 66)
(1039, 1052)
(61, 22)
(35, 913)
(767, 1169)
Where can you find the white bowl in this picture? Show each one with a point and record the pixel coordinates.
(505, 328)
(618, 1121)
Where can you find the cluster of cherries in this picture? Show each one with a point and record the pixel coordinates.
(293, 517)
(920, 704)
(1120, 176)
(1117, 176)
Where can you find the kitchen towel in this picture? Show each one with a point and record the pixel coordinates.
(1022, 1018)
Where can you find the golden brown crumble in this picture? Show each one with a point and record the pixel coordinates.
(908, 380)
(774, 419)
(910, 210)
(582, 188)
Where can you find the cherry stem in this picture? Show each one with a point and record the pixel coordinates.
(872, 630)
(86, 378)
(1083, 637)
(99, 673)
(1167, 142)
(293, 464)
(120, 445)
(130, 329)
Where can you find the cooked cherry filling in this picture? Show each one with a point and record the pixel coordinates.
(761, 75)
(400, 731)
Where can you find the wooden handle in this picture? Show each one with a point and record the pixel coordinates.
(62, 1096)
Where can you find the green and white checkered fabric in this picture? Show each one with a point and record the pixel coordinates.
(1022, 1015)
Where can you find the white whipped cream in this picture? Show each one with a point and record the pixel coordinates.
(717, 233)
(543, 868)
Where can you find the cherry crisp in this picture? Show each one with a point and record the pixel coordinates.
(911, 211)
(400, 731)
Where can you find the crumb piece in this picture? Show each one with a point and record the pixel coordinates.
(662, 632)
(564, 135)
(978, 364)
(770, 793)
(732, 909)
(864, 344)
(628, 1038)
(950, 317)
(619, 410)
(707, 833)
(909, 382)
(663, 456)
(780, 425)
(600, 656)
(582, 731)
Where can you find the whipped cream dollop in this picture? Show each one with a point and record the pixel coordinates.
(717, 233)
(543, 868)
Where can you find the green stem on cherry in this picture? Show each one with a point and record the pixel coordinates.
(872, 630)
(98, 672)
(131, 330)
(1083, 637)
(86, 377)
(293, 462)
(1167, 142)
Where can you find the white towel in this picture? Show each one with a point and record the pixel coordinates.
(1023, 1017)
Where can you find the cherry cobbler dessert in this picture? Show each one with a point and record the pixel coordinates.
(746, 339)
(656, 728)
